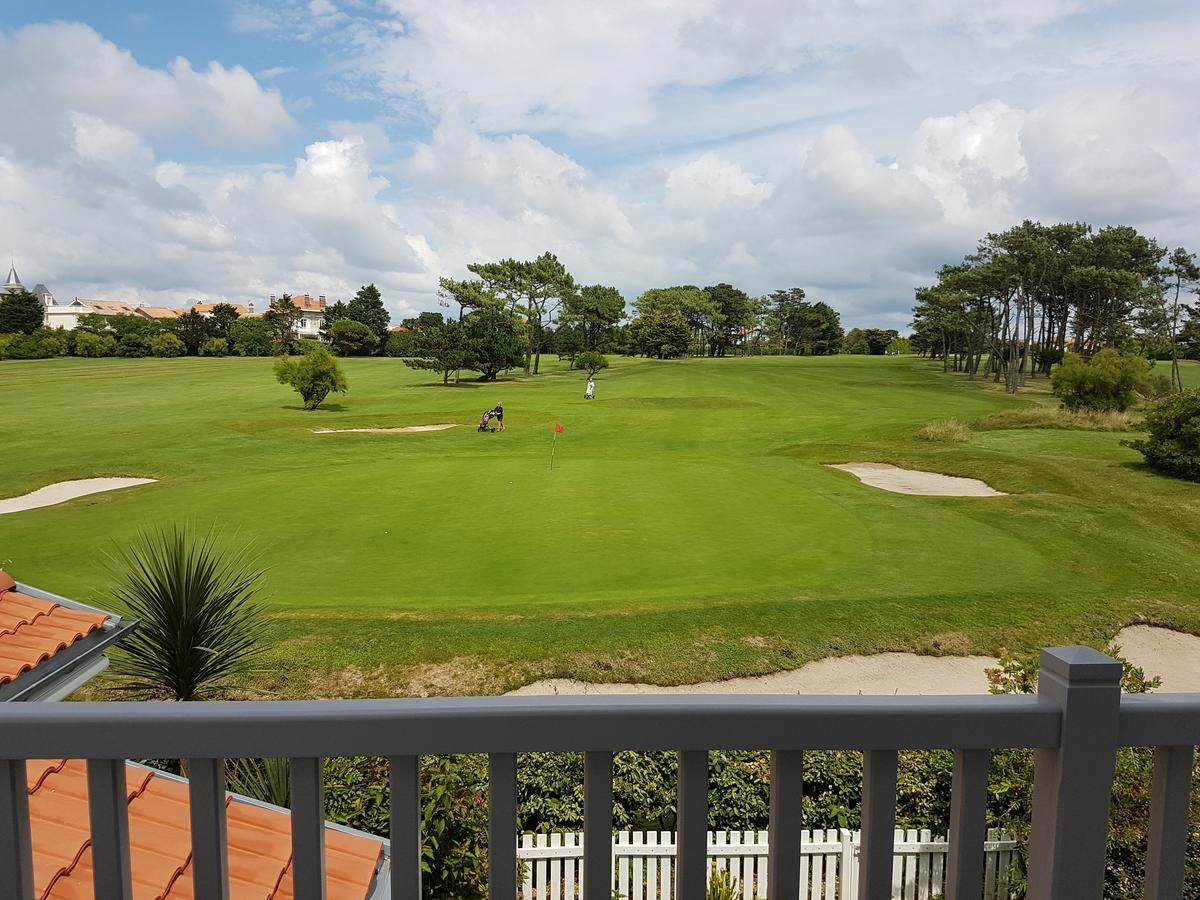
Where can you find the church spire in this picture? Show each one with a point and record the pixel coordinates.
(13, 281)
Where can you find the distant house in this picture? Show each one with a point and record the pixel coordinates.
(206, 309)
(312, 313)
(158, 312)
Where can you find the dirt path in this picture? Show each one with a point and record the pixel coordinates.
(908, 481)
(63, 491)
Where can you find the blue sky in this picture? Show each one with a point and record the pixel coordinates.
(232, 149)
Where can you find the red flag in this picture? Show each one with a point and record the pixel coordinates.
(558, 429)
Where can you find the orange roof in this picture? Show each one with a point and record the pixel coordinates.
(160, 842)
(209, 307)
(33, 630)
(109, 306)
(159, 312)
(306, 302)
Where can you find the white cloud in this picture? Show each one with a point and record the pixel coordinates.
(849, 150)
(67, 69)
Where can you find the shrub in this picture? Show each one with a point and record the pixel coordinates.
(313, 376)
(5, 340)
(199, 621)
(215, 347)
(133, 346)
(1109, 381)
(166, 346)
(251, 337)
(401, 344)
(950, 430)
(307, 345)
(43, 343)
(350, 338)
(94, 345)
(1173, 442)
(722, 885)
(1057, 417)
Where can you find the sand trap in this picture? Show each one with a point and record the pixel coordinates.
(908, 481)
(409, 429)
(67, 490)
(1173, 655)
(1170, 654)
(883, 673)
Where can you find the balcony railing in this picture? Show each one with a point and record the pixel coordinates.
(1075, 724)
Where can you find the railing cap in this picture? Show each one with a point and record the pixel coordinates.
(1081, 665)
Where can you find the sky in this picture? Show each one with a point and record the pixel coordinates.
(231, 149)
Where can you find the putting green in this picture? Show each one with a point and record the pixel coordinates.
(690, 528)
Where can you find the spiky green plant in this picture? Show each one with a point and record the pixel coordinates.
(198, 620)
(263, 779)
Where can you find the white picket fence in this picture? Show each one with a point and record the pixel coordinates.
(644, 864)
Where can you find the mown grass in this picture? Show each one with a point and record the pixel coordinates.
(691, 529)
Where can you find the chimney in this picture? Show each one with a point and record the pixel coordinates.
(250, 308)
(272, 298)
(321, 301)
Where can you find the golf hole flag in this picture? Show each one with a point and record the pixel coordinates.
(558, 429)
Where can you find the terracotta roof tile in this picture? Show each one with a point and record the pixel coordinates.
(32, 630)
(260, 851)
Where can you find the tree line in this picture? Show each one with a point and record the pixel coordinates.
(1029, 295)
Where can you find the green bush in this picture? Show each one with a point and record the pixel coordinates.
(308, 345)
(43, 343)
(590, 361)
(133, 346)
(1109, 381)
(313, 376)
(95, 345)
(251, 337)
(1173, 442)
(401, 344)
(350, 338)
(215, 347)
(166, 346)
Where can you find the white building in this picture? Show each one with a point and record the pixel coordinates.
(312, 314)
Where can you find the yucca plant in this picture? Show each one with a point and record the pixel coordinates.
(263, 779)
(198, 619)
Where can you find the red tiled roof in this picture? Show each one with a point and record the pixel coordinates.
(33, 630)
(160, 849)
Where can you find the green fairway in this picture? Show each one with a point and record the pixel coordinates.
(690, 529)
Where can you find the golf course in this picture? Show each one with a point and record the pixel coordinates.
(691, 528)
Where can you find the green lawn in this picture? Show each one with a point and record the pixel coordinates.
(690, 529)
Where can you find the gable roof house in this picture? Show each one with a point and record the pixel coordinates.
(49, 646)
(312, 314)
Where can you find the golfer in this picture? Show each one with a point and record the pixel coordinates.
(499, 411)
(590, 393)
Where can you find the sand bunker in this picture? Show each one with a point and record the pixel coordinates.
(882, 673)
(409, 429)
(67, 490)
(909, 481)
(1170, 654)
(1173, 655)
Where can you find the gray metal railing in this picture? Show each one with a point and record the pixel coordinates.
(1075, 724)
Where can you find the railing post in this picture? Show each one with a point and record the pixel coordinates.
(308, 828)
(1072, 783)
(1170, 804)
(16, 849)
(405, 826)
(785, 822)
(210, 853)
(597, 825)
(108, 813)
(968, 824)
(502, 826)
(691, 826)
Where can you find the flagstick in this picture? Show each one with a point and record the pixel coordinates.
(553, 444)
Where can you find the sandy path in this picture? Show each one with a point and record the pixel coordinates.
(1160, 651)
(908, 481)
(410, 429)
(67, 490)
